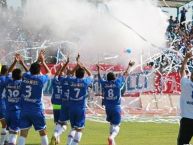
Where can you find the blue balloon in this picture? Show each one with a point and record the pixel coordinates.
(128, 50)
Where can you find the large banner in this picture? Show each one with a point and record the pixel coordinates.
(168, 83)
(150, 81)
(139, 82)
(146, 80)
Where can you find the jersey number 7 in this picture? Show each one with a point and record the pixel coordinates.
(77, 92)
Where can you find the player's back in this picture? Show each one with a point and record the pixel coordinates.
(112, 91)
(2, 83)
(65, 89)
(79, 90)
(32, 90)
(3, 79)
(13, 94)
(56, 90)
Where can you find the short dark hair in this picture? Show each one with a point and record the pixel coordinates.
(4, 69)
(35, 68)
(80, 72)
(17, 74)
(110, 76)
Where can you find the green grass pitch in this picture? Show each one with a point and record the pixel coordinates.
(131, 133)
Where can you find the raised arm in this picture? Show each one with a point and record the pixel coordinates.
(14, 63)
(21, 61)
(58, 70)
(63, 67)
(126, 72)
(98, 70)
(78, 58)
(82, 66)
(77, 65)
(42, 60)
(87, 70)
(184, 63)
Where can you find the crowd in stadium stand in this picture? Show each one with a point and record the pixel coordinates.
(179, 35)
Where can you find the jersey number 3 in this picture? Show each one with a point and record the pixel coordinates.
(28, 91)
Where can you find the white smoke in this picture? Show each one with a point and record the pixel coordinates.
(94, 29)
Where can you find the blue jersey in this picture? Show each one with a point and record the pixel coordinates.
(79, 91)
(112, 91)
(56, 90)
(32, 91)
(13, 94)
(3, 79)
(65, 89)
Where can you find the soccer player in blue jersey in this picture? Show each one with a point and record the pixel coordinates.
(112, 100)
(58, 101)
(3, 74)
(56, 96)
(13, 98)
(32, 112)
(78, 87)
(64, 114)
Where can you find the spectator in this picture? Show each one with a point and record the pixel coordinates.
(176, 21)
(183, 17)
(171, 23)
